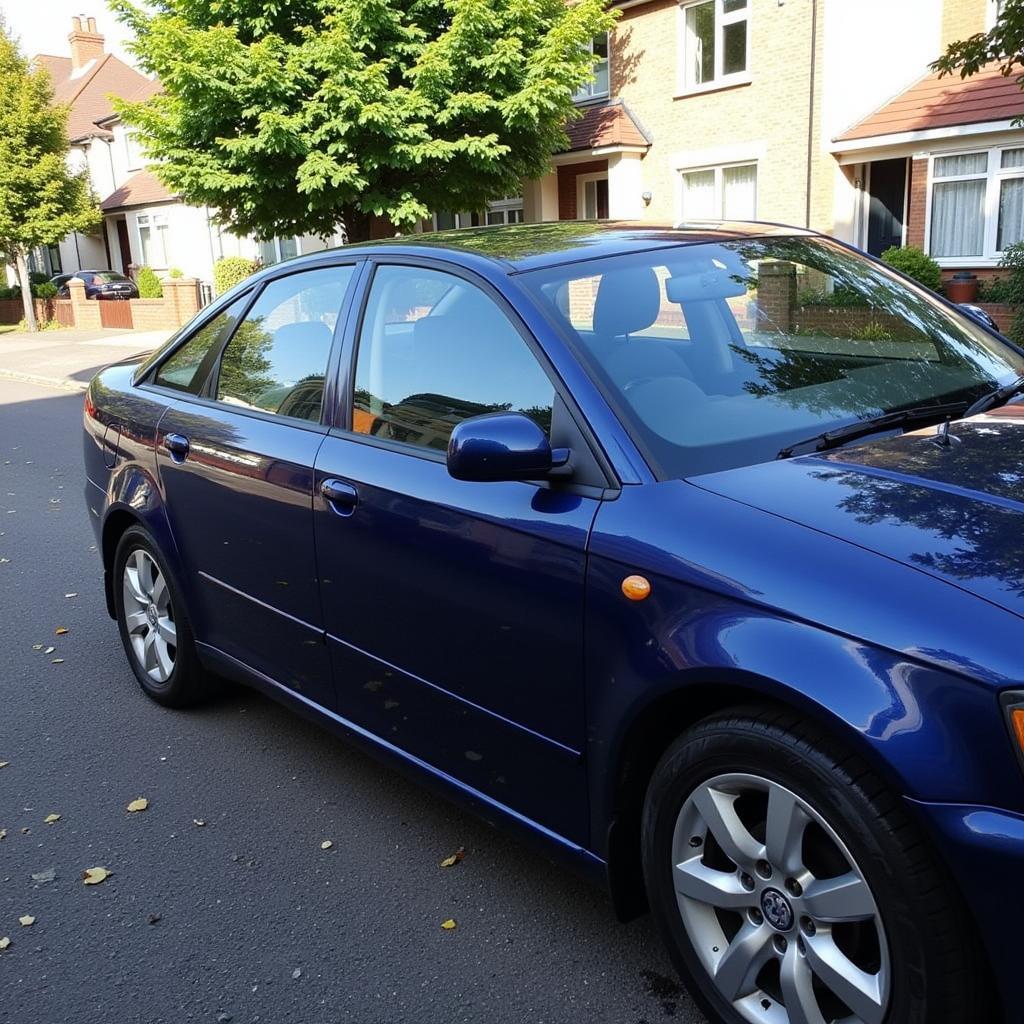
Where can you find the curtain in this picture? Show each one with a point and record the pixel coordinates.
(739, 192)
(1012, 158)
(1011, 213)
(962, 163)
(699, 196)
(958, 217)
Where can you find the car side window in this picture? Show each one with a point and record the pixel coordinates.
(189, 366)
(434, 350)
(276, 361)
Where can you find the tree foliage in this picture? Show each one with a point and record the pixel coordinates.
(41, 200)
(1003, 43)
(292, 116)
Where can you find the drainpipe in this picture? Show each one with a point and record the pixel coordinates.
(810, 110)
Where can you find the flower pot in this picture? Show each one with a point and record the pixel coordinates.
(962, 287)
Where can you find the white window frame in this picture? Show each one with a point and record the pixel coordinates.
(463, 219)
(278, 254)
(581, 192)
(153, 221)
(134, 160)
(719, 170)
(588, 91)
(505, 207)
(720, 81)
(993, 7)
(994, 177)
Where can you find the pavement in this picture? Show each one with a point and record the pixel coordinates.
(245, 917)
(70, 358)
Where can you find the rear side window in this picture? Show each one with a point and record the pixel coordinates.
(435, 350)
(276, 360)
(188, 368)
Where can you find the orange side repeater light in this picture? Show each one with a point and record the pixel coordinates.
(636, 588)
(1017, 720)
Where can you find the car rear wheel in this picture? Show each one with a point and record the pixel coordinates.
(791, 887)
(153, 624)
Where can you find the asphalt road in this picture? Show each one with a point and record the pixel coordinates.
(256, 921)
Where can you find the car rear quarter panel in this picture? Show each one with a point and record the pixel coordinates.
(902, 669)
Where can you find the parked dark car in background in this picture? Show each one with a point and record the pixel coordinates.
(607, 529)
(99, 284)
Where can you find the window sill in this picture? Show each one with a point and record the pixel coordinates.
(967, 262)
(733, 82)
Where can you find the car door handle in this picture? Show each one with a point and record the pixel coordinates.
(341, 495)
(177, 445)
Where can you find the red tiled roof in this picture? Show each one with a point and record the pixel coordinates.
(935, 102)
(140, 189)
(88, 91)
(607, 124)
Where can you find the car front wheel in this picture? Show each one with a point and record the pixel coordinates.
(791, 887)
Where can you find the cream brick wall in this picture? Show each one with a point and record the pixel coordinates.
(765, 120)
(964, 18)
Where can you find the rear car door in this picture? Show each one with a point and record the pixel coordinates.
(454, 609)
(235, 455)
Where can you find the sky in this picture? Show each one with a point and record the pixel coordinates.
(42, 26)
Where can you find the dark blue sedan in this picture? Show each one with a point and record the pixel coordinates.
(695, 554)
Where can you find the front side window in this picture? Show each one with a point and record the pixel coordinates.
(726, 355)
(276, 361)
(153, 239)
(720, 193)
(189, 366)
(599, 86)
(435, 350)
(977, 204)
(715, 42)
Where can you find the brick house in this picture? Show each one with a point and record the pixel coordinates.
(784, 110)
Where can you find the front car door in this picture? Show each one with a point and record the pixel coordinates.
(454, 609)
(235, 455)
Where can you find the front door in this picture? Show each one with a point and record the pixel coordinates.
(454, 610)
(123, 245)
(236, 460)
(887, 198)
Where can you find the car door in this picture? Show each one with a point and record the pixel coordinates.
(236, 455)
(454, 610)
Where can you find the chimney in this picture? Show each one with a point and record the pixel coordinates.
(86, 44)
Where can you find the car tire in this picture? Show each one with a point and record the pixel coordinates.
(782, 940)
(154, 624)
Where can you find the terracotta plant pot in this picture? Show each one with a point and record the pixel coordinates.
(962, 287)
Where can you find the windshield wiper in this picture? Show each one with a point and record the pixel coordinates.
(921, 414)
(996, 398)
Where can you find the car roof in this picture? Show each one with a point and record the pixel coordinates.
(522, 247)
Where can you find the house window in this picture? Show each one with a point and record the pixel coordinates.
(995, 9)
(446, 220)
(153, 239)
(55, 264)
(977, 204)
(274, 250)
(716, 42)
(133, 152)
(599, 86)
(505, 211)
(720, 193)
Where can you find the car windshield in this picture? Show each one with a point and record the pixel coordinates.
(721, 355)
(107, 277)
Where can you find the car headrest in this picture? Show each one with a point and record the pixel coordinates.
(628, 300)
(307, 333)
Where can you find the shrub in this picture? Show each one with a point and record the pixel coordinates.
(916, 264)
(149, 284)
(46, 290)
(10, 291)
(175, 272)
(996, 290)
(1013, 260)
(42, 325)
(839, 297)
(231, 270)
(38, 277)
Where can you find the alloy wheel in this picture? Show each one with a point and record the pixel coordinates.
(148, 615)
(778, 912)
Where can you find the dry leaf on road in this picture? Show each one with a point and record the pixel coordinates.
(26, 921)
(449, 924)
(49, 650)
(4, 942)
(450, 862)
(3, 833)
(139, 804)
(57, 661)
(74, 594)
(51, 818)
(4, 764)
(93, 876)
(198, 822)
(44, 876)
(326, 844)
(60, 630)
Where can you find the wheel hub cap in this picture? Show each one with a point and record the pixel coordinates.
(776, 910)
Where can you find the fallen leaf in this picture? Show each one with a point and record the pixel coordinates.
(3, 833)
(297, 973)
(93, 876)
(198, 822)
(138, 805)
(448, 925)
(71, 595)
(51, 818)
(326, 844)
(56, 661)
(153, 918)
(4, 942)
(60, 630)
(49, 650)
(4, 764)
(450, 862)
(37, 647)
(26, 921)
(44, 876)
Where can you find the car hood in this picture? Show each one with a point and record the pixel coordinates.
(956, 512)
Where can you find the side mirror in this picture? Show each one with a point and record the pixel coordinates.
(503, 446)
(979, 314)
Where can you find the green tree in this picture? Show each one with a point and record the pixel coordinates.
(41, 200)
(1003, 43)
(302, 116)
